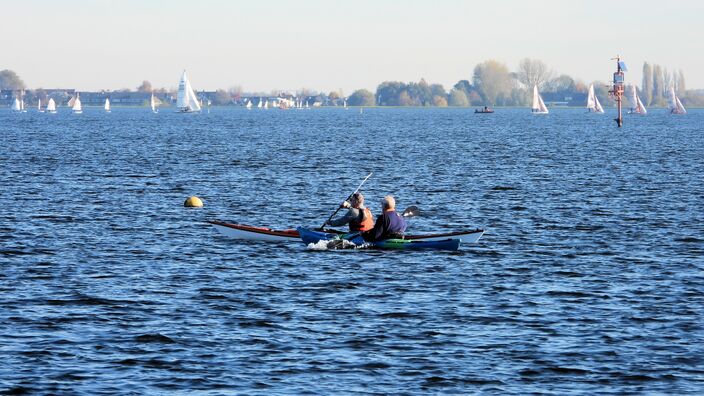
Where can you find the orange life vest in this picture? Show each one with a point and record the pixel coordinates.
(365, 221)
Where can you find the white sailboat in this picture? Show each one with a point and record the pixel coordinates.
(152, 104)
(248, 105)
(107, 105)
(307, 107)
(260, 104)
(77, 108)
(186, 101)
(638, 108)
(266, 104)
(676, 106)
(344, 103)
(538, 104)
(16, 105)
(593, 104)
(39, 105)
(51, 106)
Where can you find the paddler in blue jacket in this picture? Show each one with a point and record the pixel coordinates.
(388, 225)
(358, 217)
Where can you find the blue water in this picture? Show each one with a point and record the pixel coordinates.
(589, 280)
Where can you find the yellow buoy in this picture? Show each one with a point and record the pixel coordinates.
(193, 202)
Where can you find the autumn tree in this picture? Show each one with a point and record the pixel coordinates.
(647, 87)
(458, 98)
(492, 80)
(681, 87)
(658, 86)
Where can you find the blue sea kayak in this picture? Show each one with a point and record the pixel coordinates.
(310, 236)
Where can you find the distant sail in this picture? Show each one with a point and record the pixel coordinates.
(186, 101)
(77, 108)
(107, 105)
(638, 107)
(249, 104)
(39, 104)
(593, 104)
(538, 104)
(676, 106)
(152, 104)
(16, 106)
(51, 106)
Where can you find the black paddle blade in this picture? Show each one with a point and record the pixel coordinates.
(411, 211)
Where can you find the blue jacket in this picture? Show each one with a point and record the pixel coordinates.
(388, 225)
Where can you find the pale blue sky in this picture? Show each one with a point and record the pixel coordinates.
(326, 45)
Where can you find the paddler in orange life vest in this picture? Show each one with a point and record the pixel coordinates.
(358, 217)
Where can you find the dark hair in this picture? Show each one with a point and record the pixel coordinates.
(358, 196)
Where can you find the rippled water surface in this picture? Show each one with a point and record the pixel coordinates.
(589, 278)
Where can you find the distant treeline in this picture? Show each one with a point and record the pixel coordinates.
(491, 84)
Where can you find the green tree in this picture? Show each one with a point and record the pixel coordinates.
(361, 97)
(458, 98)
(647, 87)
(10, 80)
(561, 84)
(464, 86)
(145, 87)
(387, 93)
(492, 80)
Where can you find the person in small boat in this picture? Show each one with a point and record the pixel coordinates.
(389, 224)
(358, 217)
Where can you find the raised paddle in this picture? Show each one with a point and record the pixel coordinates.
(348, 198)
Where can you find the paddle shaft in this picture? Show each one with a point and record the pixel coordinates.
(350, 196)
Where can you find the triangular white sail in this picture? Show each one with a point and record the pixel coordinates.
(638, 107)
(676, 106)
(249, 104)
(680, 107)
(266, 104)
(16, 106)
(186, 101)
(538, 104)
(107, 105)
(152, 104)
(51, 106)
(39, 104)
(593, 104)
(77, 108)
(259, 105)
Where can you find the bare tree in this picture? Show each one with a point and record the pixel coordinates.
(533, 72)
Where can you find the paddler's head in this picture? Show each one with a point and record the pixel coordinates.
(357, 200)
(388, 203)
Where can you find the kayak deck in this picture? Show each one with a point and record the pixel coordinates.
(254, 233)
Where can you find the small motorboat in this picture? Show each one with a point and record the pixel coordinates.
(485, 110)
